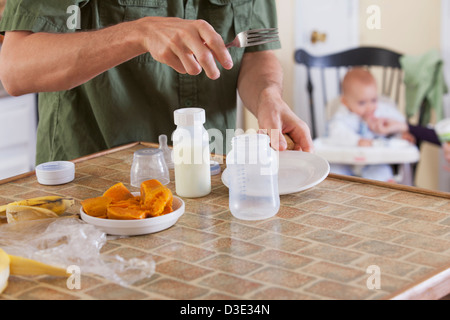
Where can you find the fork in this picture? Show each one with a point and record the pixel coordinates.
(254, 37)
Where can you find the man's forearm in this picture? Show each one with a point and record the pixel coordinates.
(42, 62)
(260, 74)
(38, 62)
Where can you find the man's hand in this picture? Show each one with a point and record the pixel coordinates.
(275, 117)
(260, 87)
(188, 46)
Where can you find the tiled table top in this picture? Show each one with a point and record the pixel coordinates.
(319, 246)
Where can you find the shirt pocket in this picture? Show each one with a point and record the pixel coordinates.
(136, 9)
(229, 17)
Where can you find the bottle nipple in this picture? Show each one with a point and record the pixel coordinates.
(166, 151)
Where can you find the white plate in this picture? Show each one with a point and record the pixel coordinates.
(137, 227)
(298, 171)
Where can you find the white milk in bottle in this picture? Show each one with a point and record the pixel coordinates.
(191, 154)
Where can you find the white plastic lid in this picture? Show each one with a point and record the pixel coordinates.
(189, 116)
(55, 172)
(215, 168)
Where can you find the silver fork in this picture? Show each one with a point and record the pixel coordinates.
(254, 37)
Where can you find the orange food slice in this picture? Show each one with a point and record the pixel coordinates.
(134, 202)
(118, 192)
(118, 213)
(96, 207)
(118, 202)
(155, 197)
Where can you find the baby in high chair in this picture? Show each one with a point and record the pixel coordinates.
(349, 126)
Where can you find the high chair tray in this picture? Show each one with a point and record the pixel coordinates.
(385, 151)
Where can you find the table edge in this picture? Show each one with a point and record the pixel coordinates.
(432, 287)
(394, 186)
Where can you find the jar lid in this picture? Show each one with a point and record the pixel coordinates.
(55, 172)
(215, 168)
(189, 116)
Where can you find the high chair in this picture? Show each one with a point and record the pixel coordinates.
(385, 65)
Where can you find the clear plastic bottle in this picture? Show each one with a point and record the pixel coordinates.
(253, 178)
(191, 154)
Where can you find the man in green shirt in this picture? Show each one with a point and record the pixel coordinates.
(110, 72)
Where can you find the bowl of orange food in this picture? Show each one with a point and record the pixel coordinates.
(121, 212)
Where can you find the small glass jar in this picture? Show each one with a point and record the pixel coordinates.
(148, 164)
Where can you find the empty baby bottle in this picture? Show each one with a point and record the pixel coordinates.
(253, 178)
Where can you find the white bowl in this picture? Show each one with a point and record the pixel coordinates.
(137, 227)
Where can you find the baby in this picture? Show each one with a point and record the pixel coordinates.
(348, 127)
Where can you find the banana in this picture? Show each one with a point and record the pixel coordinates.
(26, 267)
(14, 265)
(4, 270)
(25, 213)
(57, 204)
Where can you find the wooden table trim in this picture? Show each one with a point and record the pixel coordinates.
(106, 152)
(432, 287)
(400, 187)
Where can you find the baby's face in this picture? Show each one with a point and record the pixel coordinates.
(362, 100)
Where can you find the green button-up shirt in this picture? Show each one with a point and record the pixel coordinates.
(134, 101)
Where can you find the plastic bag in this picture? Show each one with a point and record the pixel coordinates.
(65, 242)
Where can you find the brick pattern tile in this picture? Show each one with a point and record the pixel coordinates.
(319, 246)
(281, 277)
(175, 289)
(231, 284)
(181, 270)
(337, 290)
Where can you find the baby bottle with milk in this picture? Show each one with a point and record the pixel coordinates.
(191, 154)
(253, 178)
